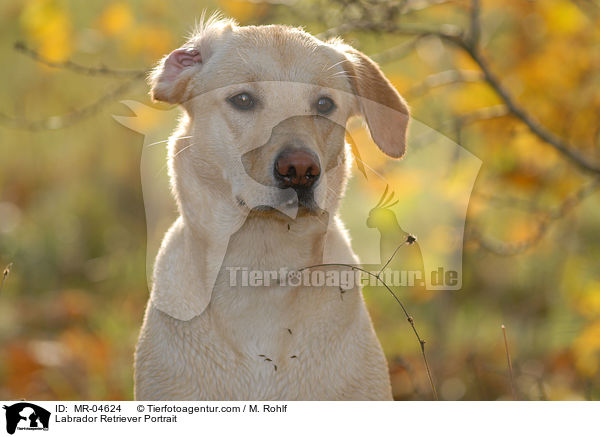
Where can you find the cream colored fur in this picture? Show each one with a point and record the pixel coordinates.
(203, 339)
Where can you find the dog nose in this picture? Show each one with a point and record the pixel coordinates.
(297, 168)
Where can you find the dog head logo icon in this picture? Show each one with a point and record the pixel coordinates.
(26, 416)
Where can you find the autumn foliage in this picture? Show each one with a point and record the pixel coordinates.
(72, 218)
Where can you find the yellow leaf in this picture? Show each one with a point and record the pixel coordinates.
(48, 24)
(116, 19)
(589, 302)
(562, 17)
(586, 348)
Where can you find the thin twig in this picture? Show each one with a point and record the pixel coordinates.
(511, 248)
(471, 47)
(475, 23)
(390, 259)
(5, 274)
(455, 36)
(510, 369)
(62, 121)
(534, 126)
(410, 240)
(514, 202)
(538, 378)
(77, 68)
(419, 5)
(449, 32)
(448, 77)
(409, 318)
(397, 52)
(481, 114)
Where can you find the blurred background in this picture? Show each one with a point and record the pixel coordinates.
(514, 82)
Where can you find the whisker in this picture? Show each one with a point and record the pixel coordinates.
(341, 73)
(185, 148)
(336, 64)
(167, 140)
(372, 169)
(173, 157)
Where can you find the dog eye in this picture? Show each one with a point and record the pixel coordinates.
(325, 105)
(242, 101)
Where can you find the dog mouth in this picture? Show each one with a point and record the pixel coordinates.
(306, 198)
(303, 198)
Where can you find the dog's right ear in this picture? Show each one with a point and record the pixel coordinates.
(169, 79)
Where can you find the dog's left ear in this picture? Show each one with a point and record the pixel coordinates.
(169, 79)
(384, 110)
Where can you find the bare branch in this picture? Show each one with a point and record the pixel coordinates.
(395, 53)
(455, 36)
(448, 32)
(62, 121)
(448, 77)
(475, 23)
(77, 68)
(510, 248)
(486, 113)
(409, 240)
(481, 114)
(509, 201)
(534, 126)
(419, 5)
(588, 7)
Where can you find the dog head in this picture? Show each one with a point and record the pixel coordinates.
(265, 114)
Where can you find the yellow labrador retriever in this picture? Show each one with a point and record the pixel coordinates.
(258, 166)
